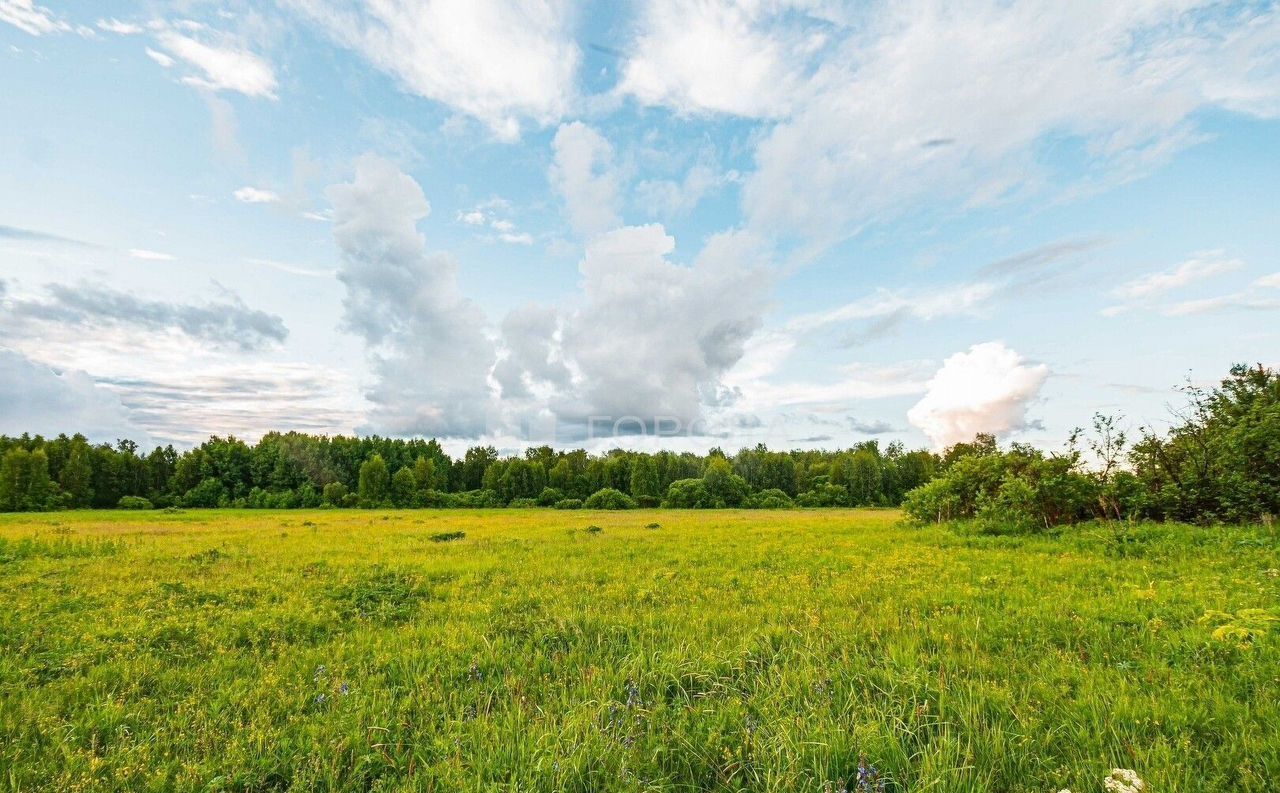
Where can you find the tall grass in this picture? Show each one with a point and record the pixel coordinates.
(254, 651)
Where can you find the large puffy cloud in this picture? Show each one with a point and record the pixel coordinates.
(890, 104)
(583, 173)
(34, 398)
(652, 339)
(986, 389)
(500, 62)
(427, 343)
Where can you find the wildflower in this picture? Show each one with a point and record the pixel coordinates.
(869, 780)
(320, 672)
(633, 695)
(320, 699)
(1123, 780)
(345, 689)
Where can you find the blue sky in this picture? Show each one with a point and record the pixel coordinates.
(661, 223)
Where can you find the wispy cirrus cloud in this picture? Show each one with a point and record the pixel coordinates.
(219, 63)
(30, 18)
(1145, 289)
(503, 63)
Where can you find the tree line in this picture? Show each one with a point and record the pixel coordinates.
(293, 470)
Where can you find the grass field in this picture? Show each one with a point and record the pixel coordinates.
(716, 651)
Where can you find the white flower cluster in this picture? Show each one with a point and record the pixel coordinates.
(1122, 780)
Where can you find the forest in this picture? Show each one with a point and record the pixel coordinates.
(1218, 461)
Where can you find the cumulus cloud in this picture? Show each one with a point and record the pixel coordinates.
(583, 173)
(652, 339)
(486, 215)
(255, 195)
(222, 66)
(30, 18)
(499, 62)
(986, 389)
(230, 323)
(37, 399)
(428, 346)
(942, 101)
(534, 357)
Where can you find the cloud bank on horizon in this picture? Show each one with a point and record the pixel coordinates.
(667, 223)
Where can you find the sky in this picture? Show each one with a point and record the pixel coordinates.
(652, 224)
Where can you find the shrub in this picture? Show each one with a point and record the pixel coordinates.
(608, 498)
(134, 502)
(569, 503)
(523, 503)
(772, 498)
(550, 496)
(335, 493)
(208, 494)
(825, 495)
(687, 494)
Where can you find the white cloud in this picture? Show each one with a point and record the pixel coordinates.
(225, 67)
(31, 18)
(37, 399)
(159, 57)
(255, 195)
(155, 256)
(485, 215)
(897, 305)
(1271, 281)
(929, 101)
(499, 62)
(671, 199)
(745, 59)
(1232, 302)
(651, 338)
(583, 173)
(1200, 266)
(428, 346)
(986, 389)
(114, 25)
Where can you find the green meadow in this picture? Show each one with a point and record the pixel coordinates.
(547, 650)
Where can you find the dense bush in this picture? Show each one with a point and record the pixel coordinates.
(609, 498)
(769, 499)
(1219, 462)
(569, 503)
(134, 502)
(687, 494)
(825, 495)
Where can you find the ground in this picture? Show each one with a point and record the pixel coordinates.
(663, 650)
